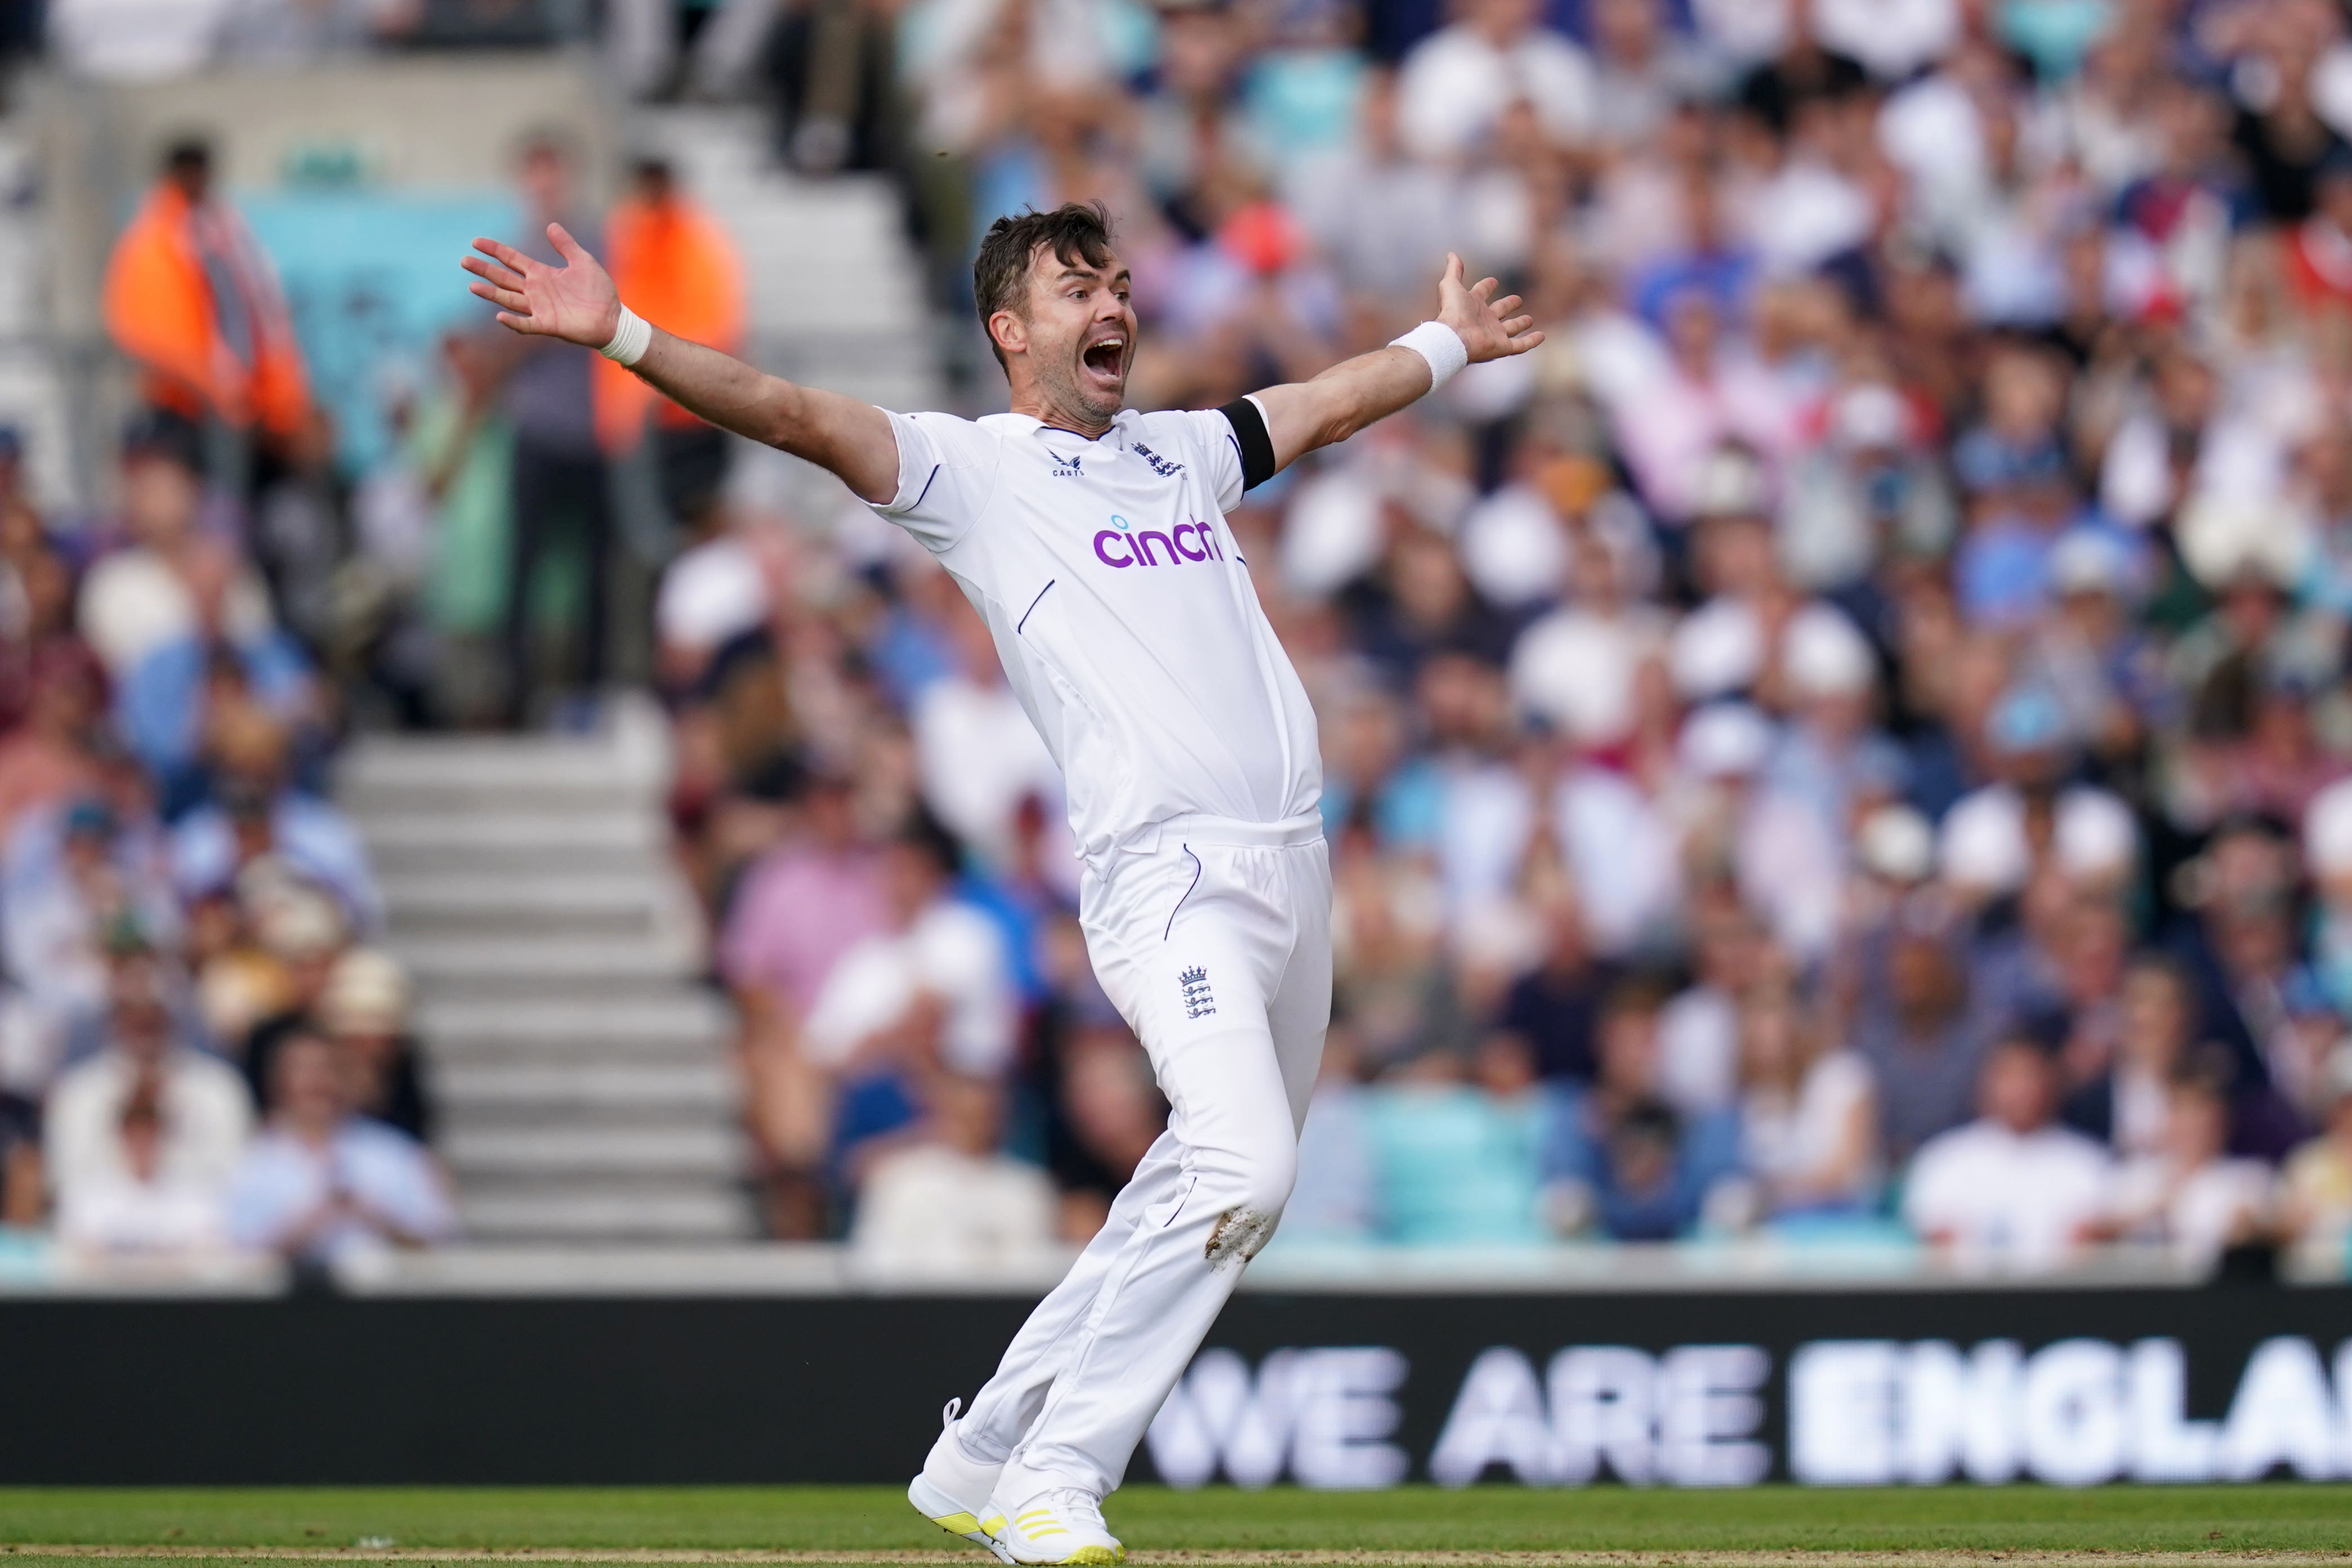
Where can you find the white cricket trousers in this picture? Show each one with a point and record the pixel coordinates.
(1214, 944)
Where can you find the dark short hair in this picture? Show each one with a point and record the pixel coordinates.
(188, 155)
(1075, 232)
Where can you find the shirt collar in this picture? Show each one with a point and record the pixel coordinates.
(1115, 436)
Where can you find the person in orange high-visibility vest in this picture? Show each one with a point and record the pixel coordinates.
(678, 267)
(191, 296)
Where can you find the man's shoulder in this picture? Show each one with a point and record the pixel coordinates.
(2062, 1148)
(959, 440)
(992, 428)
(199, 1073)
(1963, 1146)
(1177, 431)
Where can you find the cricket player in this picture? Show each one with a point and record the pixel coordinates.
(1093, 540)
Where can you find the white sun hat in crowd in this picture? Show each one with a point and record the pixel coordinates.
(2226, 537)
(2328, 830)
(1724, 740)
(1823, 655)
(1897, 842)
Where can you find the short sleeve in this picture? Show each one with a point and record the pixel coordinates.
(1210, 434)
(947, 473)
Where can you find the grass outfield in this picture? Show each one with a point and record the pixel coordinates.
(1414, 1524)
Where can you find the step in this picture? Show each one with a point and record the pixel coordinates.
(518, 844)
(511, 830)
(714, 1150)
(682, 1212)
(485, 762)
(479, 1091)
(454, 962)
(676, 1025)
(446, 901)
(548, 797)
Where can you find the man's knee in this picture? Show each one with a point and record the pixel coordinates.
(1248, 1182)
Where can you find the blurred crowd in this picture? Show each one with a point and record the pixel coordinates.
(202, 1057)
(1847, 743)
(1844, 743)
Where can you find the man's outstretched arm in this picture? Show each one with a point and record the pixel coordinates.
(577, 303)
(1353, 393)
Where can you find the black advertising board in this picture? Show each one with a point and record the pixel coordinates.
(1323, 1388)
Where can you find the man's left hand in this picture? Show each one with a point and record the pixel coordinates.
(1486, 326)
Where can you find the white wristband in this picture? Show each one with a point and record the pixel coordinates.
(1438, 344)
(630, 339)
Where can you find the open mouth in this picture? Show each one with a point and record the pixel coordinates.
(1105, 358)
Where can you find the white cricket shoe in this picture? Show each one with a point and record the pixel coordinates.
(953, 1488)
(1064, 1525)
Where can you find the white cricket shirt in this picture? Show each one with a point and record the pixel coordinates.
(1124, 616)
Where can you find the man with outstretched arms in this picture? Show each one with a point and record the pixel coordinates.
(1093, 540)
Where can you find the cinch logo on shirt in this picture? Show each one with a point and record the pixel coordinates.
(1120, 546)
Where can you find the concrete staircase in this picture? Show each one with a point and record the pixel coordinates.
(581, 1071)
(835, 291)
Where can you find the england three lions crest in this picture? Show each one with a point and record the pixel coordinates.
(1199, 1003)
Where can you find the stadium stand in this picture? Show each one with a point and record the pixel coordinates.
(1864, 704)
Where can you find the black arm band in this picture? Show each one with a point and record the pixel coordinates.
(1252, 440)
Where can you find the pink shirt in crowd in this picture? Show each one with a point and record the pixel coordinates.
(799, 910)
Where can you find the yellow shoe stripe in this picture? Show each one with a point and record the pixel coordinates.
(994, 1524)
(956, 1523)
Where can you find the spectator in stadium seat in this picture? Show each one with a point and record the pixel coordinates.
(2128, 1107)
(1617, 1159)
(803, 903)
(2316, 1191)
(933, 987)
(363, 1007)
(191, 298)
(459, 450)
(1456, 83)
(206, 1114)
(1374, 210)
(323, 1183)
(679, 270)
(1394, 987)
(36, 590)
(1807, 1112)
(2014, 1190)
(300, 932)
(1916, 1027)
(59, 923)
(255, 816)
(1699, 1029)
(949, 1202)
(177, 702)
(1556, 1006)
(142, 594)
(932, 992)
(979, 757)
(560, 479)
(2189, 1194)
(139, 1210)
(50, 756)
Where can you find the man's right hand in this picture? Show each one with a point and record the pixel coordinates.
(575, 302)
